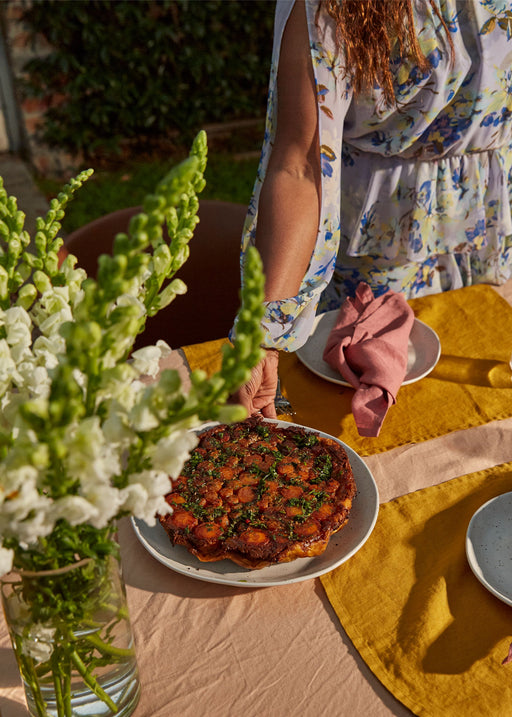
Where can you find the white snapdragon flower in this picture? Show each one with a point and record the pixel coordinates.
(116, 430)
(52, 323)
(15, 316)
(14, 480)
(53, 302)
(47, 349)
(80, 378)
(59, 296)
(147, 360)
(171, 452)
(20, 504)
(119, 387)
(38, 525)
(38, 644)
(143, 418)
(75, 509)
(74, 277)
(143, 497)
(94, 462)
(130, 300)
(89, 456)
(18, 327)
(6, 558)
(105, 502)
(8, 370)
(25, 512)
(9, 410)
(35, 379)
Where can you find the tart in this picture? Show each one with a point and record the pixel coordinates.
(259, 493)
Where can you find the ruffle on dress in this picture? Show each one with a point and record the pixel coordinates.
(412, 210)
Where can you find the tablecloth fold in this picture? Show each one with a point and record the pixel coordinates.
(408, 600)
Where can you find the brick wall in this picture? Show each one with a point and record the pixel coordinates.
(20, 50)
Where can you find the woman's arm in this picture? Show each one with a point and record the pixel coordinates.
(289, 206)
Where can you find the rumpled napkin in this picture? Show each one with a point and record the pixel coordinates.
(368, 346)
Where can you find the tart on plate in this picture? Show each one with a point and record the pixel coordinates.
(259, 494)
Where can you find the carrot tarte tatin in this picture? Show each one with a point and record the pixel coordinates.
(258, 494)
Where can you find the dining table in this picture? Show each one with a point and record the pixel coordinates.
(399, 625)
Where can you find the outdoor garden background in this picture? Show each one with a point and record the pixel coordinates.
(122, 86)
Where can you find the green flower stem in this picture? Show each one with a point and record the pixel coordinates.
(107, 649)
(29, 675)
(57, 675)
(66, 680)
(91, 681)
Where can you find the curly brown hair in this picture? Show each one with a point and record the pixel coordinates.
(367, 31)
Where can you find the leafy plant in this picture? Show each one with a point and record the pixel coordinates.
(119, 69)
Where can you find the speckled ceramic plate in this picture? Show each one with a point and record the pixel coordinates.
(489, 546)
(341, 547)
(423, 352)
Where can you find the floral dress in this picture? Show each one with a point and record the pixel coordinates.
(417, 197)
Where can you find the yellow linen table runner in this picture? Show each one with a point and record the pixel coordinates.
(408, 600)
(470, 386)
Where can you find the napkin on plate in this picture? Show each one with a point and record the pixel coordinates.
(368, 346)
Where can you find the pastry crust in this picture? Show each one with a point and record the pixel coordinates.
(259, 494)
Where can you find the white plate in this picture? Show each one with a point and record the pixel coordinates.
(489, 546)
(423, 352)
(341, 546)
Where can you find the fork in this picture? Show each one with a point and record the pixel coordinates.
(281, 403)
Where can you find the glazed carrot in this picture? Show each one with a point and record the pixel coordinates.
(323, 511)
(286, 469)
(208, 531)
(307, 529)
(247, 478)
(224, 492)
(246, 494)
(212, 497)
(254, 536)
(182, 519)
(175, 499)
(292, 510)
(226, 472)
(291, 491)
(253, 459)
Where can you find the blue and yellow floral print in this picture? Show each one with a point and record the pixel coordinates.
(415, 197)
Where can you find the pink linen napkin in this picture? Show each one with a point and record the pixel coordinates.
(368, 346)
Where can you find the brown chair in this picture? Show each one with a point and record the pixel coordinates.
(211, 273)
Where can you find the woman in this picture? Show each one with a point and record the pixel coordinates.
(387, 159)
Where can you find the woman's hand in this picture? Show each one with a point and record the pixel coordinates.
(258, 394)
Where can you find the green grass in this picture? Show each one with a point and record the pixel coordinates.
(227, 179)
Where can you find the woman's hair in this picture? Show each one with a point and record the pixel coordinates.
(367, 31)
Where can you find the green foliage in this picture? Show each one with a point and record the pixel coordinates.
(143, 70)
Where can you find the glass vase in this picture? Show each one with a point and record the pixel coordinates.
(72, 637)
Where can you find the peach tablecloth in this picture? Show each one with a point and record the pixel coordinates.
(216, 650)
